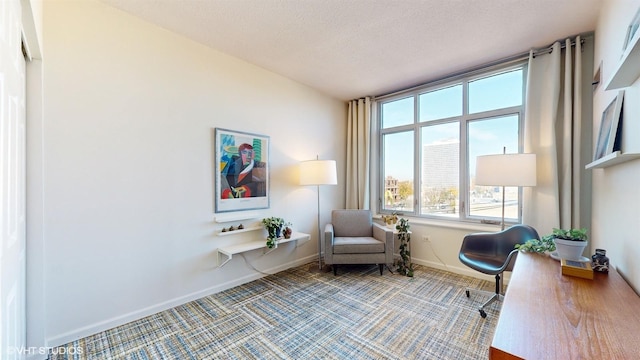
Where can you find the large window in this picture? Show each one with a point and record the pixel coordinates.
(430, 138)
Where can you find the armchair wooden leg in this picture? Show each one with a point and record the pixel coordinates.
(381, 266)
(335, 269)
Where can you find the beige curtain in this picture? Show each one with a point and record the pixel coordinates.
(358, 153)
(554, 131)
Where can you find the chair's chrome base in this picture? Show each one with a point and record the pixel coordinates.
(497, 296)
(492, 299)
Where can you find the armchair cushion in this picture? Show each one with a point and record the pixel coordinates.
(357, 245)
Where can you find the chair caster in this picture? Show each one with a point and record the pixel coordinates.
(467, 292)
(483, 314)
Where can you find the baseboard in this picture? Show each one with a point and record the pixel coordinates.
(139, 314)
(460, 270)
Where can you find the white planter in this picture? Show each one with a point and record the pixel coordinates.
(570, 250)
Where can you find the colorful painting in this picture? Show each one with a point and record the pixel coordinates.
(241, 171)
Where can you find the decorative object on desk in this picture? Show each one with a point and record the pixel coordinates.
(274, 226)
(390, 220)
(231, 228)
(240, 227)
(576, 268)
(241, 171)
(611, 117)
(404, 265)
(541, 246)
(506, 170)
(287, 232)
(318, 172)
(600, 261)
(570, 243)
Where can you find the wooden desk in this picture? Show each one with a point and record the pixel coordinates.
(546, 315)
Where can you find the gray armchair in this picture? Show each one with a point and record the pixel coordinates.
(353, 238)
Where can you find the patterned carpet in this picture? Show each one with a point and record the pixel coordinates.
(296, 314)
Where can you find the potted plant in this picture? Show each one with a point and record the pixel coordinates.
(274, 227)
(404, 265)
(570, 243)
(390, 220)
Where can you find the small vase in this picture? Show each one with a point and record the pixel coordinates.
(600, 261)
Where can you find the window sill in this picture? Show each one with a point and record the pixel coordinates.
(458, 225)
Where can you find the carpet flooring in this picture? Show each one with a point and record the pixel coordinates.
(296, 314)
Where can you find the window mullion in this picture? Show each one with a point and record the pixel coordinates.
(417, 159)
(463, 193)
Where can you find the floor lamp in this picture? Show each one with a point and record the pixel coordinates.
(318, 172)
(506, 170)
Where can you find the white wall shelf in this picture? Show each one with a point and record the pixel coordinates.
(628, 69)
(229, 251)
(238, 231)
(614, 158)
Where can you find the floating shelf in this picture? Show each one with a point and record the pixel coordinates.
(238, 231)
(628, 69)
(614, 158)
(230, 250)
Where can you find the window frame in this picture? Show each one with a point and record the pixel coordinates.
(463, 121)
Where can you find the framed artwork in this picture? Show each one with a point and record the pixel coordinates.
(241, 171)
(609, 127)
(632, 30)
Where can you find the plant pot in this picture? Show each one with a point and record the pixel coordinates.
(570, 250)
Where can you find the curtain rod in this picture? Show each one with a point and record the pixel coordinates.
(504, 61)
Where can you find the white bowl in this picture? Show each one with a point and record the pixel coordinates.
(570, 250)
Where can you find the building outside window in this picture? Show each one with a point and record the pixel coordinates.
(430, 137)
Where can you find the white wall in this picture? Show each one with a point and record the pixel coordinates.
(616, 199)
(129, 112)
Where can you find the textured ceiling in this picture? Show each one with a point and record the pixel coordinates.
(353, 48)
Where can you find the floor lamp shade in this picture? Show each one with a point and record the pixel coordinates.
(506, 170)
(318, 172)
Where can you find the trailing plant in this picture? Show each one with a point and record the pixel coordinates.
(404, 265)
(271, 242)
(541, 245)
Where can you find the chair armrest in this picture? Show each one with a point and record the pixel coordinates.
(507, 266)
(328, 243)
(479, 243)
(385, 235)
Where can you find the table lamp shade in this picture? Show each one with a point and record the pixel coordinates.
(506, 170)
(318, 172)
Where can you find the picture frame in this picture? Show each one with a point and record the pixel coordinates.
(611, 117)
(241, 171)
(632, 30)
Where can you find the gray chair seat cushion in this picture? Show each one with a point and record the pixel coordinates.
(357, 245)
